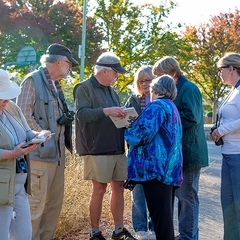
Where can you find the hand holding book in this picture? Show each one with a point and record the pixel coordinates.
(131, 115)
(40, 138)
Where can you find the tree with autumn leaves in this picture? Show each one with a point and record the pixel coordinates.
(140, 36)
(41, 22)
(209, 42)
(137, 34)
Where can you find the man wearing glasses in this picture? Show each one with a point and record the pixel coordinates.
(101, 144)
(42, 103)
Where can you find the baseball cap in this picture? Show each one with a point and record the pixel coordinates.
(59, 49)
(109, 59)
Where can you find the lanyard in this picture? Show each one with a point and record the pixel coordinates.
(225, 101)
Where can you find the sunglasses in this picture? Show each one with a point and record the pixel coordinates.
(220, 69)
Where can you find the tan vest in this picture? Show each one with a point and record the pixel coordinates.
(8, 166)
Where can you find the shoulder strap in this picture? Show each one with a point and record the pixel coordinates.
(11, 109)
(74, 90)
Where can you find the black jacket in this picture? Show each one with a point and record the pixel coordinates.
(95, 133)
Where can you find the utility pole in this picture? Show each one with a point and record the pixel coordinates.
(82, 48)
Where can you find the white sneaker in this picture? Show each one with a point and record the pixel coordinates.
(151, 235)
(141, 235)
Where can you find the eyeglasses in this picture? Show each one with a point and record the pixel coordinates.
(69, 63)
(220, 69)
(145, 81)
(114, 70)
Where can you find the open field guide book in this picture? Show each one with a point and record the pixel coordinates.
(128, 120)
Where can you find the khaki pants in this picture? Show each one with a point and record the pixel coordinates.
(47, 197)
(20, 227)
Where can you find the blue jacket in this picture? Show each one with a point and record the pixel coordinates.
(155, 144)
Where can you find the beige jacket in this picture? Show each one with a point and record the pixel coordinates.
(8, 166)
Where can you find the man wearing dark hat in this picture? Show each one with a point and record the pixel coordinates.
(101, 144)
(43, 105)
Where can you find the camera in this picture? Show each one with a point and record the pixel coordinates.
(66, 119)
(21, 165)
(129, 184)
(220, 141)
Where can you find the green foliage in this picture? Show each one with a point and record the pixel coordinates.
(67, 87)
(207, 108)
(137, 34)
(209, 114)
(41, 22)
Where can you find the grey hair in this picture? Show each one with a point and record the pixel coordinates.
(108, 57)
(50, 58)
(100, 68)
(164, 86)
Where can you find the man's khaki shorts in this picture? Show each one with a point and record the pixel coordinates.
(104, 168)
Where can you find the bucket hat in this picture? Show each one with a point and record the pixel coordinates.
(8, 88)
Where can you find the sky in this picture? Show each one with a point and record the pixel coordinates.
(195, 12)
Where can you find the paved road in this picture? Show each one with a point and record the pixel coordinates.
(210, 219)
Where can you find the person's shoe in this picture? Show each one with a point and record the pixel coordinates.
(141, 235)
(97, 236)
(123, 235)
(151, 235)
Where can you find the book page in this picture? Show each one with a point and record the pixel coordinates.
(129, 119)
(41, 138)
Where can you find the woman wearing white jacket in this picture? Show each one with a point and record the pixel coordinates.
(229, 132)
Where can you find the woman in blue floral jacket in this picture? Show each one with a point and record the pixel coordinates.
(155, 156)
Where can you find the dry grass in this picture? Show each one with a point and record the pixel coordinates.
(74, 220)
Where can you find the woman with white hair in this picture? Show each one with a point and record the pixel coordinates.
(15, 218)
(155, 156)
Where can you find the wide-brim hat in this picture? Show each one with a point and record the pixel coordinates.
(59, 49)
(8, 88)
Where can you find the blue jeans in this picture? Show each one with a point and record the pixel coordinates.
(230, 196)
(140, 216)
(188, 206)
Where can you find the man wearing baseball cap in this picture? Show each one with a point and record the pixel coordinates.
(101, 144)
(43, 105)
(58, 49)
